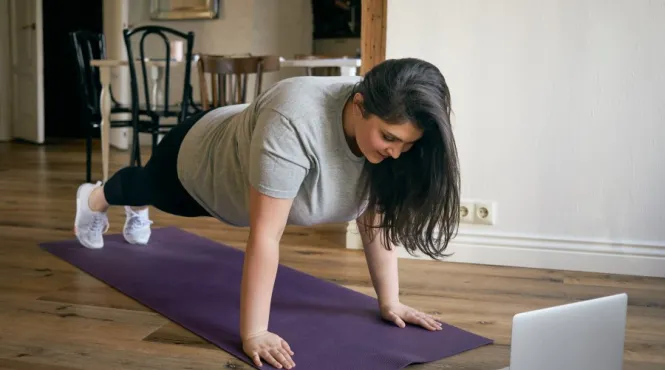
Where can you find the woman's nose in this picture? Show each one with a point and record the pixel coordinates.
(394, 152)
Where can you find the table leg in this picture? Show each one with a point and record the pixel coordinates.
(105, 126)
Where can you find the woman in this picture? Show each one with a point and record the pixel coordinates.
(309, 150)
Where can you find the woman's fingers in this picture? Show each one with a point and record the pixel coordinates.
(280, 358)
(257, 359)
(435, 323)
(271, 360)
(285, 358)
(286, 346)
(424, 320)
(396, 319)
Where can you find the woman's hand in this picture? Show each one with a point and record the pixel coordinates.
(271, 348)
(401, 314)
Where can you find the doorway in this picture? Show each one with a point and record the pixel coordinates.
(61, 93)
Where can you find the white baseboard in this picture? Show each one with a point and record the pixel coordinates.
(590, 255)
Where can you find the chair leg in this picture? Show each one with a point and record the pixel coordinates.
(88, 154)
(155, 137)
(155, 133)
(136, 150)
(132, 151)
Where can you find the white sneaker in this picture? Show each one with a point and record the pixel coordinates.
(88, 225)
(137, 226)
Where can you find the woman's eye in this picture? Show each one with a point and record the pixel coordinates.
(388, 137)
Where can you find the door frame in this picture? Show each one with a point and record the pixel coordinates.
(6, 100)
(372, 33)
(372, 52)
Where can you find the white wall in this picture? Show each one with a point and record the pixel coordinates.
(282, 28)
(560, 119)
(338, 47)
(230, 33)
(5, 72)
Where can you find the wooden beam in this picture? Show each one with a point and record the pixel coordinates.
(373, 33)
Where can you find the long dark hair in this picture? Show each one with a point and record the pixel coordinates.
(416, 195)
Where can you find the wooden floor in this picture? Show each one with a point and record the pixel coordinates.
(53, 316)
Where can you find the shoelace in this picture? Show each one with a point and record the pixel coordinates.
(98, 223)
(136, 221)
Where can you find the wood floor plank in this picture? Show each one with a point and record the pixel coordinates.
(56, 317)
(53, 319)
(132, 355)
(18, 364)
(92, 292)
(30, 283)
(622, 282)
(173, 333)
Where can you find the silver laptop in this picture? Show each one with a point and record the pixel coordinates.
(586, 335)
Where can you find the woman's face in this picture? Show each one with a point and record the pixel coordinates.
(378, 140)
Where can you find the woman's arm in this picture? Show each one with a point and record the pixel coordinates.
(382, 263)
(383, 269)
(267, 221)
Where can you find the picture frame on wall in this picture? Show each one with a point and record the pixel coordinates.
(184, 9)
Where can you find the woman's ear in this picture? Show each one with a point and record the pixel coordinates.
(358, 103)
(358, 98)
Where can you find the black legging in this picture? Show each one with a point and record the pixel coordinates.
(157, 183)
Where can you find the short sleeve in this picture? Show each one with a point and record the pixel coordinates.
(278, 162)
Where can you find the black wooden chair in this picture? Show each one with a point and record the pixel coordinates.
(87, 46)
(155, 111)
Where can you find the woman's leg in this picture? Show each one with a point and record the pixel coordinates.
(156, 184)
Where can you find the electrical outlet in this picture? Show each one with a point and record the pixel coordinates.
(467, 212)
(484, 213)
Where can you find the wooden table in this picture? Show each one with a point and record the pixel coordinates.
(348, 67)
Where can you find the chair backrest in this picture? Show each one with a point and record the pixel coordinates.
(88, 46)
(225, 70)
(167, 35)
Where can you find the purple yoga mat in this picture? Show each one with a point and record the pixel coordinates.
(195, 282)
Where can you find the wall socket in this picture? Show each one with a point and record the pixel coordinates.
(467, 212)
(478, 212)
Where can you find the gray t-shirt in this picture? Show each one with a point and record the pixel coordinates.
(288, 143)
